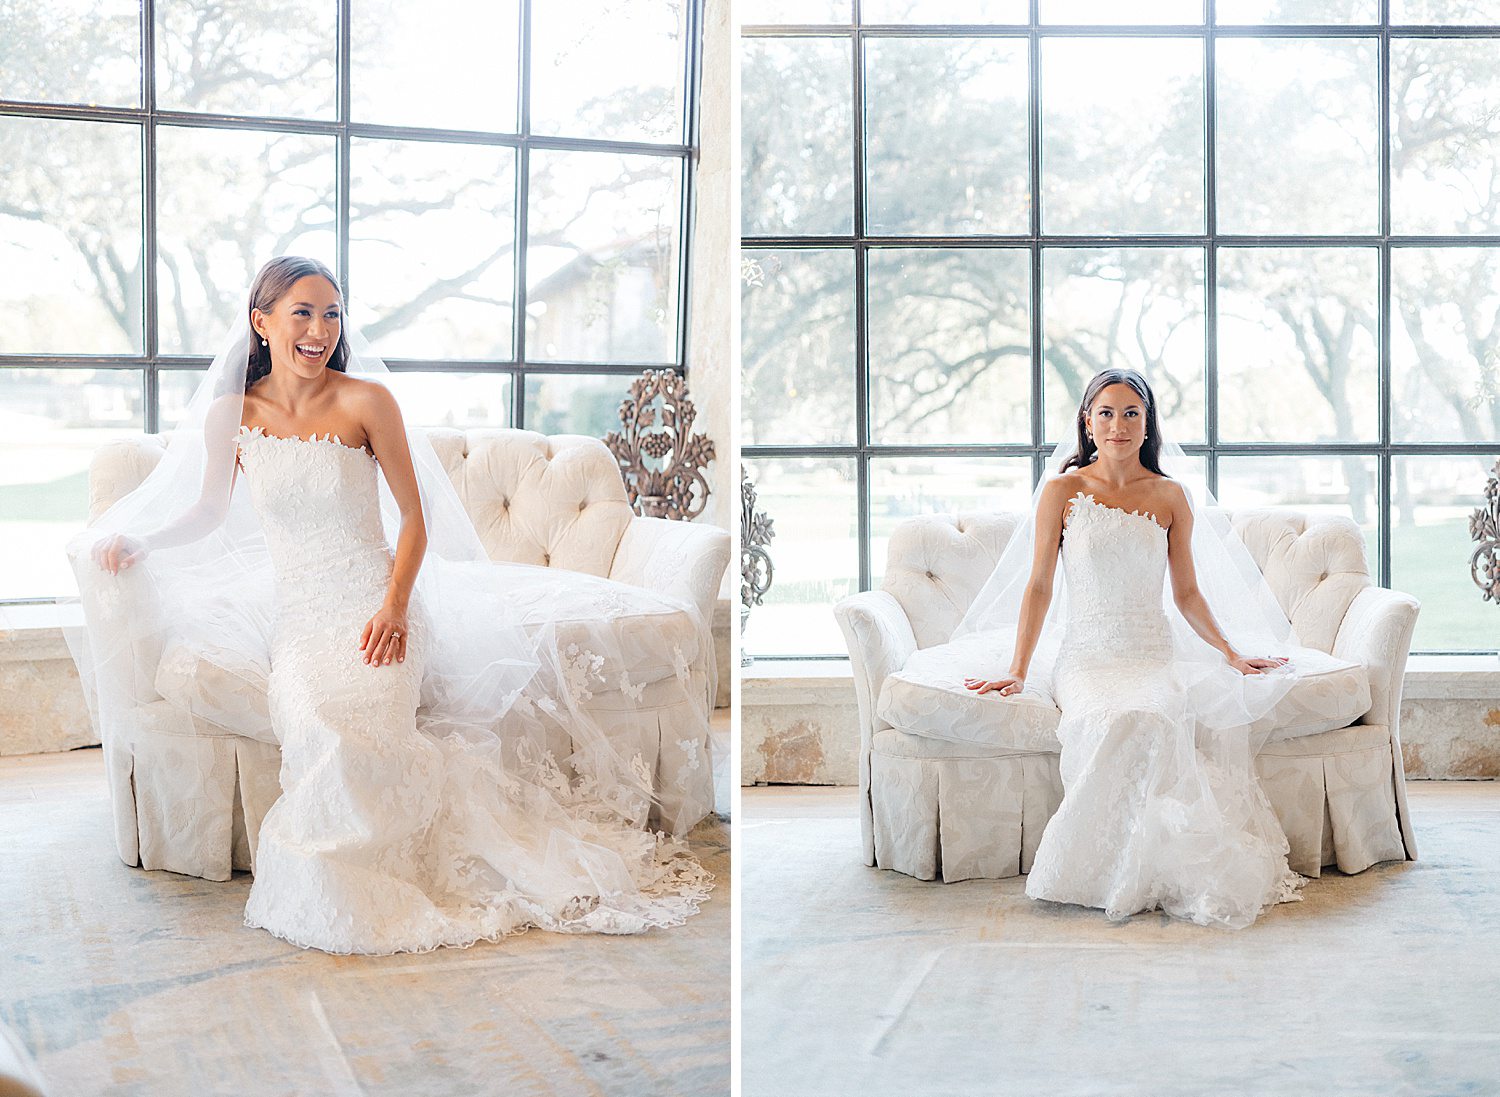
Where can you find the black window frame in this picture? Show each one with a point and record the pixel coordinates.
(861, 242)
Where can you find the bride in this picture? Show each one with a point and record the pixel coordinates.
(419, 696)
(1161, 805)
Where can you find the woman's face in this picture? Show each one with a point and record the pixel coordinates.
(303, 327)
(1117, 420)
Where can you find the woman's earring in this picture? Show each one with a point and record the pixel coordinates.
(264, 343)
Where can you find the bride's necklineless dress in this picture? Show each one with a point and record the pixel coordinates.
(1148, 818)
(388, 838)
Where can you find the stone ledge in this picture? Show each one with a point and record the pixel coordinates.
(799, 722)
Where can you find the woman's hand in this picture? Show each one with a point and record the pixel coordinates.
(118, 551)
(384, 637)
(1256, 666)
(1003, 686)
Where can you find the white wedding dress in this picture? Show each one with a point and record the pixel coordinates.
(394, 833)
(1157, 811)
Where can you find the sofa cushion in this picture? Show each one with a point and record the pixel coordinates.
(656, 638)
(224, 692)
(895, 743)
(927, 697)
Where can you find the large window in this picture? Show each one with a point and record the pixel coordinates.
(1286, 213)
(503, 186)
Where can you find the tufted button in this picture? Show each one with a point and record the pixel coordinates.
(1322, 577)
(581, 506)
(547, 559)
(931, 576)
(504, 504)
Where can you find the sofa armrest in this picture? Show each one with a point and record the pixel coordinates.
(682, 559)
(880, 640)
(122, 608)
(1376, 632)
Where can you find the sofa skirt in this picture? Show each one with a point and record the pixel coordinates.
(946, 811)
(191, 799)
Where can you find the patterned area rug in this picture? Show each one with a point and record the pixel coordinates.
(859, 981)
(126, 982)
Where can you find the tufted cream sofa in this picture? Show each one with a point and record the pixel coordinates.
(955, 785)
(191, 798)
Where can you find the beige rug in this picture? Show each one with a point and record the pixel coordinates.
(126, 982)
(859, 981)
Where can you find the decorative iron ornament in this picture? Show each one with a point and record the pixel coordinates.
(1484, 527)
(756, 533)
(660, 456)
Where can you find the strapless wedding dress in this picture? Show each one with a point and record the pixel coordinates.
(1153, 814)
(396, 833)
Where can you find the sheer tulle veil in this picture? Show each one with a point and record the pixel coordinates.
(512, 656)
(1227, 703)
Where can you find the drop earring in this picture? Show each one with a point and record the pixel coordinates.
(264, 343)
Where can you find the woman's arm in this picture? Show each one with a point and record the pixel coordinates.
(1189, 598)
(384, 636)
(1038, 594)
(206, 514)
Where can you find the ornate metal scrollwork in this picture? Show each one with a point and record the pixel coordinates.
(756, 571)
(661, 458)
(1484, 527)
(756, 532)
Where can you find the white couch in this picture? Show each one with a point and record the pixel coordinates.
(190, 796)
(955, 785)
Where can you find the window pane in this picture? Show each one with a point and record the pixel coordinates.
(1297, 344)
(904, 487)
(1122, 135)
(1122, 11)
(945, 11)
(752, 12)
(1298, 147)
(1431, 500)
(414, 67)
(1445, 135)
(53, 421)
(602, 263)
(229, 200)
(174, 389)
(71, 248)
(815, 554)
(267, 57)
(1433, 12)
(1445, 383)
(1345, 485)
(796, 136)
(1283, 12)
(432, 248)
(797, 347)
(613, 71)
(101, 40)
(1140, 308)
(459, 400)
(950, 345)
(575, 403)
(946, 122)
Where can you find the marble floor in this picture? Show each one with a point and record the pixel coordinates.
(123, 982)
(865, 982)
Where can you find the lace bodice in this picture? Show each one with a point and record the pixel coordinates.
(1115, 562)
(319, 506)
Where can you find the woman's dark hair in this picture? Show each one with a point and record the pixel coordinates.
(273, 283)
(1087, 451)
